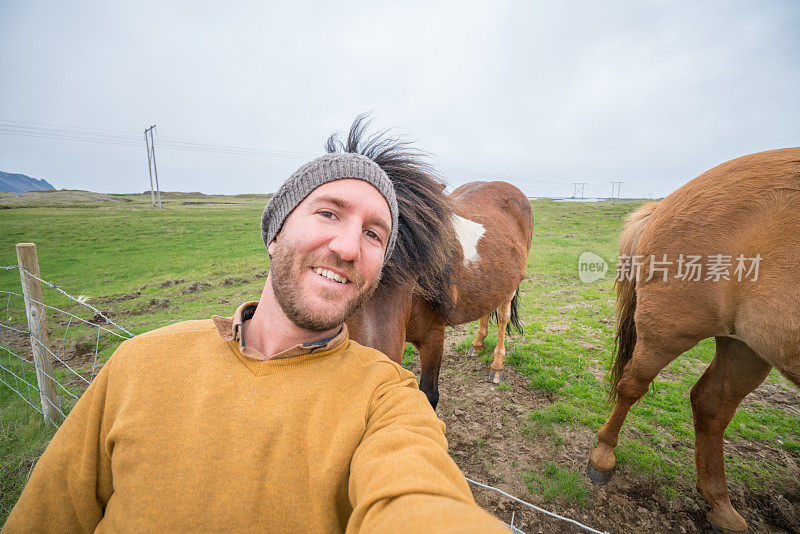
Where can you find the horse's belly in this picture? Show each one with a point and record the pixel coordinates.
(482, 291)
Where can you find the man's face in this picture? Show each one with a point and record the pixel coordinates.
(327, 258)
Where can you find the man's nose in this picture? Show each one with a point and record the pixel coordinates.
(347, 243)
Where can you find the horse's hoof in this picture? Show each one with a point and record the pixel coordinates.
(735, 523)
(473, 351)
(598, 476)
(495, 377)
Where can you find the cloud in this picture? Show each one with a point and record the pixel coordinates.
(540, 94)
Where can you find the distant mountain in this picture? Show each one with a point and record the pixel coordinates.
(19, 183)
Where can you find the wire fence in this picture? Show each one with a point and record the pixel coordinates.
(71, 343)
(532, 507)
(76, 361)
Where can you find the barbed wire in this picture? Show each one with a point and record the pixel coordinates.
(20, 384)
(53, 354)
(21, 377)
(16, 378)
(534, 507)
(72, 316)
(70, 297)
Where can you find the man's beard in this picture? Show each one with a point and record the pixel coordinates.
(287, 270)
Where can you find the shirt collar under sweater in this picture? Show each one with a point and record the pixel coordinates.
(232, 329)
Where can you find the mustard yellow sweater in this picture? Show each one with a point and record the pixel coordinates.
(180, 432)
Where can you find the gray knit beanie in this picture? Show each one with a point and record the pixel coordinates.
(322, 170)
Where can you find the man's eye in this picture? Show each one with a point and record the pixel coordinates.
(327, 214)
(372, 235)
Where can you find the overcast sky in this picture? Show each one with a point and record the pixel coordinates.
(541, 94)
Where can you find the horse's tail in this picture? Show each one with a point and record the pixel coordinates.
(625, 283)
(514, 322)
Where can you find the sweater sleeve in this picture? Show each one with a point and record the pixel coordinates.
(71, 483)
(402, 478)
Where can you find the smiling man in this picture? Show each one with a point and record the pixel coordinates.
(328, 254)
(271, 420)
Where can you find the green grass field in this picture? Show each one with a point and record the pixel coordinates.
(203, 255)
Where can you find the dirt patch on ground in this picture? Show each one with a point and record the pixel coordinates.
(117, 298)
(197, 286)
(102, 317)
(235, 280)
(556, 327)
(775, 395)
(170, 283)
(493, 442)
(152, 305)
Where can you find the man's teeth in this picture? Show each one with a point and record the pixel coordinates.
(330, 275)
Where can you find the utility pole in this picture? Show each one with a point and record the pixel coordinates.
(150, 169)
(577, 187)
(151, 158)
(618, 187)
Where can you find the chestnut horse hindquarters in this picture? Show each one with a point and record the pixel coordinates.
(490, 271)
(742, 213)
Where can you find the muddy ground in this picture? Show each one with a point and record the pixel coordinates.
(485, 433)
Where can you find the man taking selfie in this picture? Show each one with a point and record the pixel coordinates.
(271, 420)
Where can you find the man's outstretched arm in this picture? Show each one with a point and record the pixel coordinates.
(402, 477)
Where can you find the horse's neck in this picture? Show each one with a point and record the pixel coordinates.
(380, 322)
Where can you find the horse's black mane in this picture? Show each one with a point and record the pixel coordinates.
(426, 238)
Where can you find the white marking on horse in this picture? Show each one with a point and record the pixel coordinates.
(469, 233)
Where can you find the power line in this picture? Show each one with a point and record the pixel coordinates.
(122, 138)
(116, 137)
(178, 142)
(25, 123)
(487, 174)
(65, 136)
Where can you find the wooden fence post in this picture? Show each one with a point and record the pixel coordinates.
(32, 293)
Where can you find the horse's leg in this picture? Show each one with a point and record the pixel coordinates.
(431, 350)
(480, 337)
(503, 317)
(648, 359)
(735, 372)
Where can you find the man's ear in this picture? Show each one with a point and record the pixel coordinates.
(271, 247)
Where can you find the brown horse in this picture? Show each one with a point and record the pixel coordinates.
(742, 219)
(500, 212)
(493, 224)
(458, 258)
